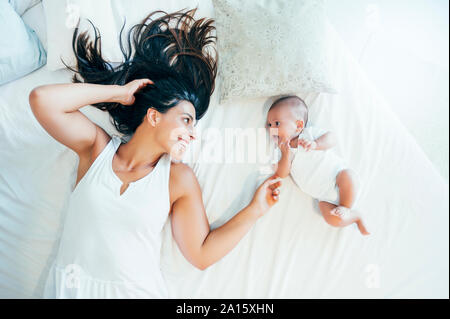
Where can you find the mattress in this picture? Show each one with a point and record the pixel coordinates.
(290, 252)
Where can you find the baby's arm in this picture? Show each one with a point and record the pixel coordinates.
(324, 142)
(284, 165)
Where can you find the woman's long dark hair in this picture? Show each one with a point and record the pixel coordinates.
(173, 50)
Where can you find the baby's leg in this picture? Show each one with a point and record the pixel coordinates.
(347, 183)
(350, 217)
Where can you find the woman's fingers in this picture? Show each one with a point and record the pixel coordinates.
(275, 185)
(273, 180)
(144, 82)
(276, 194)
(269, 191)
(140, 83)
(276, 191)
(129, 89)
(148, 81)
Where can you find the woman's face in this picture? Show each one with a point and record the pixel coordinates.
(176, 129)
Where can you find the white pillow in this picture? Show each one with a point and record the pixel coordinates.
(270, 48)
(21, 52)
(22, 6)
(108, 16)
(61, 18)
(35, 19)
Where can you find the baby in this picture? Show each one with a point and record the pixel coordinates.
(318, 171)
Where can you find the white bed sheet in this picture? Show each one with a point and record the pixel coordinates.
(291, 252)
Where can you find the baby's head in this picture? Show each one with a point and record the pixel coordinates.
(287, 117)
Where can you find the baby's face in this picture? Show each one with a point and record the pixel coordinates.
(282, 124)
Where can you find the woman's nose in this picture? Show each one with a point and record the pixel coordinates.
(193, 134)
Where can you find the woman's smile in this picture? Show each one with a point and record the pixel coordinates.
(183, 143)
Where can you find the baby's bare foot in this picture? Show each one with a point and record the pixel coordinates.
(362, 227)
(347, 213)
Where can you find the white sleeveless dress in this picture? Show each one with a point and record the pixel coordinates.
(110, 244)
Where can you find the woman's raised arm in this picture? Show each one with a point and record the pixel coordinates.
(190, 227)
(56, 107)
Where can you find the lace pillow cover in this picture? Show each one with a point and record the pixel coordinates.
(271, 47)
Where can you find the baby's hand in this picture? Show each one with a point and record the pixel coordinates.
(284, 146)
(307, 145)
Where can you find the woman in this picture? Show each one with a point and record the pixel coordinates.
(110, 245)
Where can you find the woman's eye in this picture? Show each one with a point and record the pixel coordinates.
(269, 125)
(187, 120)
(277, 123)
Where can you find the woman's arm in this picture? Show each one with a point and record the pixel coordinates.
(56, 107)
(201, 246)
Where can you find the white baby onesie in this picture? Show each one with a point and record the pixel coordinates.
(315, 171)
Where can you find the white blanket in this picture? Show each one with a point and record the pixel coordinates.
(290, 252)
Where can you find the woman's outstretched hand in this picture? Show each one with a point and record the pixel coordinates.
(126, 96)
(267, 195)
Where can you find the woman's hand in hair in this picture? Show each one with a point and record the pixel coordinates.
(127, 91)
(266, 195)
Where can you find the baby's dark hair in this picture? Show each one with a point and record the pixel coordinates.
(173, 50)
(300, 106)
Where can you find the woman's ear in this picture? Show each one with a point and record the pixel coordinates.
(153, 116)
(300, 125)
